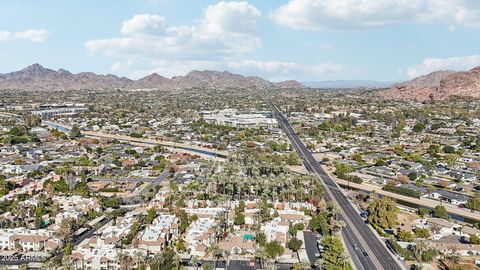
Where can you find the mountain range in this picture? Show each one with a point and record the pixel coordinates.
(438, 85)
(36, 77)
(343, 84)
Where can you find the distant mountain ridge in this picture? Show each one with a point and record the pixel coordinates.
(347, 84)
(437, 85)
(36, 77)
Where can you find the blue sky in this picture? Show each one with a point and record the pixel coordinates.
(312, 40)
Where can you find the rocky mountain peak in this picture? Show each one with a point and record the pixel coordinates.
(437, 85)
(36, 77)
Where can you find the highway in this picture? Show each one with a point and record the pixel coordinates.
(367, 251)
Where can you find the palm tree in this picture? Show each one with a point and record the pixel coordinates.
(157, 260)
(304, 265)
(140, 258)
(319, 263)
(217, 253)
(67, 263)
(125, 261)
(344, 257)
(50, 265)
(260, 254)
(337, 225)
(335, 210)
(177, 261)
(420, 247)
(271, 266)
(194, 261)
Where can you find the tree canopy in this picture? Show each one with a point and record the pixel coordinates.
(383, 213)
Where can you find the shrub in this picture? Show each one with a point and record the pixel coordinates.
(402, 191)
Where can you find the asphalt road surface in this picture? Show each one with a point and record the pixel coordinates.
(311, 246)
(366, 250)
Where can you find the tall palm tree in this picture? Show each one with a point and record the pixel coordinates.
(177, 261)
(319, 263)
(157, 260)
(50, 265)
(67, 263)
(194, 261)
(420, 247)
(217, 253)
(304, 265)
(140, 258)
(261, 255)
(344, 257)
(337, 225)
(335, 210)
(271, 266)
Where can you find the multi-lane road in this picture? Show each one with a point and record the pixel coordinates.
(367, 251)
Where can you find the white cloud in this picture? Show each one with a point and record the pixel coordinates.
(453, 63)
(33, 35)
(144, 24)
(221, 40)
(340, 15)
(231, 17)
(228, 28)
(286, 70)
(4, 36)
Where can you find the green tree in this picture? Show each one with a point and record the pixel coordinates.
(451, 159)
(207, 266)
(449, 149)
(383, 213)
(75, 132)
(180, 245)
(81, 189)
(16, 131)
(440, 212)
(341, 170)
(293, 159)
(273, 249)
(474, 203)
(429, 255)
(418, 127)
(164, 260)
(412, 176)
(380, 162)
(67, 249)
(151, 214)
(184, 221)
(320, 224)
(332, 257)
(241, 206)
(405, 236)
(423, 212)
(295, 244)
(422, 233)
(474, 239)
(61, 186)
(357, 157)
(261, 239)
(239, 219)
